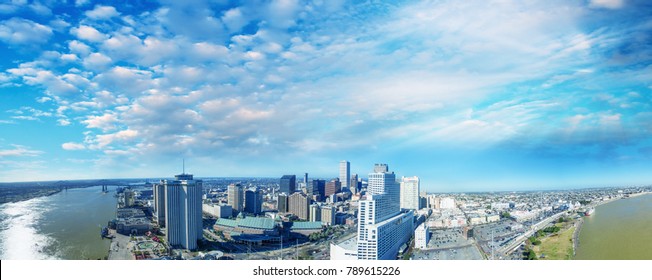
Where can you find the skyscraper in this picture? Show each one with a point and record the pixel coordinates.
(235, 194)
(159, 204)
(305, 179)
(318, 189)
(328, 215)
(299, 205)
(183, 213)
(410, 193)
(315, 213)
(332, 187)
(345, 173)
(288, 184)
(382, 227)
(253, 201)
(353, 185)
(282, 203)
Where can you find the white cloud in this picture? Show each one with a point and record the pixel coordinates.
(79, 47)
(609, 4)
(104, 122)
(88, 33)
(234, 19)
(79, 3)
(97, 61)
(23, 31)
(105, 140)
(102, 12)
(71, 146)
(19, 151)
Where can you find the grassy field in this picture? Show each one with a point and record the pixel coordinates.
(557, 247)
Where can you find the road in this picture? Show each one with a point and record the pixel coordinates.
(533, 229)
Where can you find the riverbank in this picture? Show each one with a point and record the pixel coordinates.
(624, 221)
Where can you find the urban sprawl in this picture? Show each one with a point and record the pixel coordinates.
(380, 217)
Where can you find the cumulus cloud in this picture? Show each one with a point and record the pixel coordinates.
(20, 31)
(87, 33)
(71, 146)
(102, 12)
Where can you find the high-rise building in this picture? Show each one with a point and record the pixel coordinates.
(382, 227)
(410, 193)
(282, 203)
(159, 204)
(353, 184)
(236, 198)
(253, 201)
(315, 213)
(183, 211)
(299, 205)
(318, 189)
(345, 173)
(305, 179)
(332, 187)
(328, 215)
(288, 184)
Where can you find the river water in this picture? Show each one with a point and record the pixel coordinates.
(618, 230)
(65, 225)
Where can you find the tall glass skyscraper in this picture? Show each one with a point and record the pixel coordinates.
(183, 217)
(288, 184)
(345, 173)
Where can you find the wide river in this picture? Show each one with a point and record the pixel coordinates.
(65, 225)
(618, 230)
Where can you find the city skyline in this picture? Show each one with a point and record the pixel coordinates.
(482, 96)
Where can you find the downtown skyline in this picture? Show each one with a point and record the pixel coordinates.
(472, 96)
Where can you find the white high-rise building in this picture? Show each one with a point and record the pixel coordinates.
(159, 204)
(183, 211)
(382, 227)
(447, 203)
(345, 173)
(421, 236)
(410, 193)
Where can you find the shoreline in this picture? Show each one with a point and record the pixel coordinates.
(578, 224)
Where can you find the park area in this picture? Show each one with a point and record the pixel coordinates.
(558, 246)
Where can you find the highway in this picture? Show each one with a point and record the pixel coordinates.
(533, 229)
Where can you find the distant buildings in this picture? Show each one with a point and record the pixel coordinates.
(345, 173)
(382, 227)
(318, 189)
(315, 213)
(235, 194)
(253, 201)
(353, 184)
(299, 205)
(183, 211)
(332, 187)
(410, 193)
(447, 203)
(288, 184)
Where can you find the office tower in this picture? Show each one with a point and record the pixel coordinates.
(288, 184)
(410, 193)
(315, 213)
(305, 179)
(318, 189)
(159, 204)
(345, 173)
(421, 236)
(299, 205)
(129, 198)
(282, 203)
(183, 211)
(332, 187)
(353, 184)
(328, 215)
(253, 201)
(382, 227)
(235, 194)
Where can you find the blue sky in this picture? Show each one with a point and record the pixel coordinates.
(467, 95)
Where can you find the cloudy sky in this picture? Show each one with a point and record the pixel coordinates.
(467, 95)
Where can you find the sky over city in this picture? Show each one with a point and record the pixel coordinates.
(467, 95)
